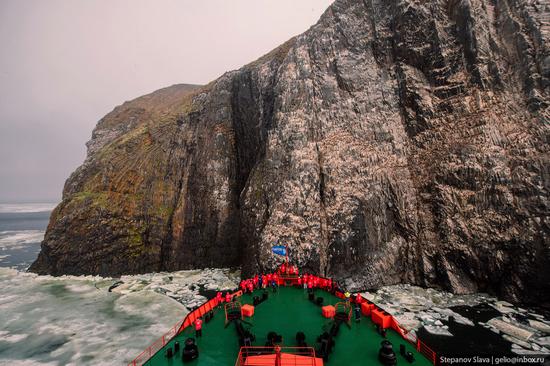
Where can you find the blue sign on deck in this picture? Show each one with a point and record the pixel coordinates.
(279, 249)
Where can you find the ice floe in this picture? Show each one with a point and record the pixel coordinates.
(438, 330)
(540, 326)
(513, 330)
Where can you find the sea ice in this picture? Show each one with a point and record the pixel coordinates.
(26, 207)
(415, 307)
(511, 329)
(438, 330)
(542, 341)
(516, 341)
(19, 239)
(540, 326)
(75, 320)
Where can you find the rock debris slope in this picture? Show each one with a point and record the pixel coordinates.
(394, 141)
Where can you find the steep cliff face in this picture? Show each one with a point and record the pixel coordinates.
(394, 141)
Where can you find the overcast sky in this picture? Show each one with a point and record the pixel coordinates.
(64, 64)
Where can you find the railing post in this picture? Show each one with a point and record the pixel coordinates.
(278, 356)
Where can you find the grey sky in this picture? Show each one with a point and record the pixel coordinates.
(65, 63)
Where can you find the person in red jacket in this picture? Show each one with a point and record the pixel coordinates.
(198, 327)
(283, 268)
(255, 281)
(250, 286)
(227, 297)
(219, 297)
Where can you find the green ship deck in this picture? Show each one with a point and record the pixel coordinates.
(286, 312)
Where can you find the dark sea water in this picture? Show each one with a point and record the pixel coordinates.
(469, 340)
(22, 228)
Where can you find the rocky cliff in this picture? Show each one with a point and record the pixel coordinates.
(394, 141)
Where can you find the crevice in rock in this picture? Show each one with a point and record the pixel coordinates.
(324, 245)
(167, 242)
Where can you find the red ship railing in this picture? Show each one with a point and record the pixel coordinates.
(426, 351)
(277, 356)
(156, 346)
(175, 330)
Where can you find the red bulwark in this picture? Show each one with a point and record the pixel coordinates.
(366, 308)
(381, 318)
(328, 311)
(247, 310)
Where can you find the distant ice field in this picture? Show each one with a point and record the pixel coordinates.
(26, 207)
(21, 232)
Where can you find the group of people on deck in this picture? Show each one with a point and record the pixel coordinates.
(221, 298)
(260, 281)
(285, 272)
(311, 281)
